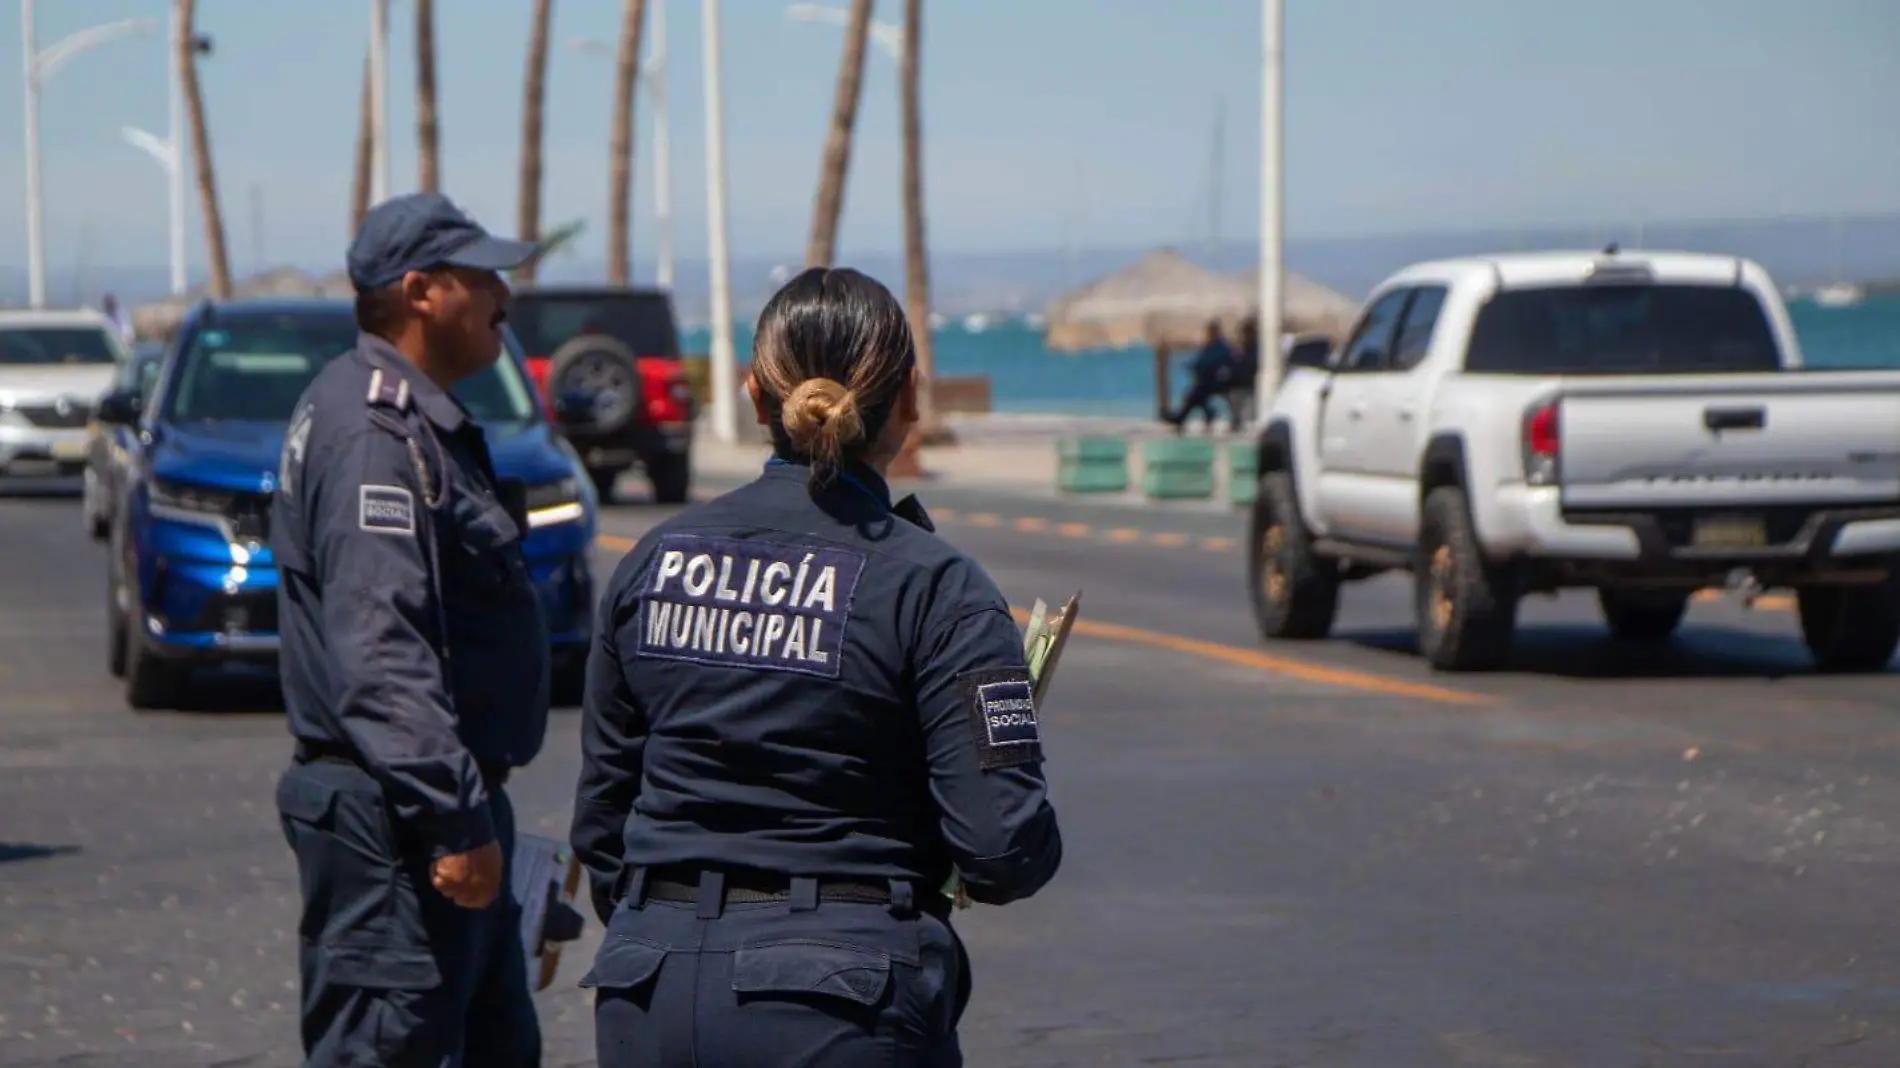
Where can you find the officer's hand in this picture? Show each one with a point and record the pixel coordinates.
(470, 879)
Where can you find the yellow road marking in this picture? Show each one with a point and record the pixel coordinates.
(1124, 534)
(984, 519)
(1075, 530)
(1230, 654)
(1217, 545)
(613, 541)
(943, 513)
(1171, 541)
(1031, 523)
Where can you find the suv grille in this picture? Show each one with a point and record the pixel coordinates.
(76, 414)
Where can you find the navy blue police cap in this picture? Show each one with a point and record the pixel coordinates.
(422, 231)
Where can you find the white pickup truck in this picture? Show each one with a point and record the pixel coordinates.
(1636, 423)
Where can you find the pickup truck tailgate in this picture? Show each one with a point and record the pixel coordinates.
(1795, 437)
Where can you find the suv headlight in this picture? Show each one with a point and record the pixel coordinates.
(554, 502)
(186, 503)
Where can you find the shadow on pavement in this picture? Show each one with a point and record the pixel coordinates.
(1589, 652)
(13, 851)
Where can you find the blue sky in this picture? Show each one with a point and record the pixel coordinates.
(1044, 118)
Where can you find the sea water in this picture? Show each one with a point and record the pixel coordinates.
(1026, 377)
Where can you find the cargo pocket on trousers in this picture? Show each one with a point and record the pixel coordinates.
(803, 968)
(623, 965)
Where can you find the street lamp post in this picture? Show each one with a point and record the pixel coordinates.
(885, 35)
(379, 100)
(653, 74)
(37, 65)
(1267, 378)
(725, 409)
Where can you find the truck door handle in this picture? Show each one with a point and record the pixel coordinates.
(1719, 419)
(1357, 411)
(1406, 414)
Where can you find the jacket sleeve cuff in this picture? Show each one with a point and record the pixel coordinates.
(459, 832)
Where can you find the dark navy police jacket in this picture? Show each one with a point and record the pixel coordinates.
(810, 685)
(412, 637)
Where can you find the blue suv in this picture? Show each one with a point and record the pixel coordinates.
(190, 581)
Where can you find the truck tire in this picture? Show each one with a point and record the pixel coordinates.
(1295, 592)
(150, 682)
(604, 479)
(1466, 606)
(604, 367)
(1851, 628)
(1642, 615)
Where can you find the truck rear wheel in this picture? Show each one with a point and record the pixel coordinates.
(1466, 606)
(1851, 628)
(671, 475)
(1295, 592)
(1636, 615)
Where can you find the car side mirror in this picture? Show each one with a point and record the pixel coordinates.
(120, 407)
(1310, 353)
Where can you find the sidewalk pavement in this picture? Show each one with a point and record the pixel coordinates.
(1005, 453)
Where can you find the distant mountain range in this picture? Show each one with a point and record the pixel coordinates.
(1800, 253)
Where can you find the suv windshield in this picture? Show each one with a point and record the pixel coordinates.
(545, 321)
(54, 345)
(251, 366)
(1623, 329)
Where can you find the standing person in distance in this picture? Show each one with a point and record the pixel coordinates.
(415, 665)
(802, 709)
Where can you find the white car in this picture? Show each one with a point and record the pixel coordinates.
(54, 367)
(1635, 423)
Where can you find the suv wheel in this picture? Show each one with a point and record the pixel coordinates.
(1851, 628)
(603, 368)
(671, 475)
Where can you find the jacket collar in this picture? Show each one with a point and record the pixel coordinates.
(436, 403)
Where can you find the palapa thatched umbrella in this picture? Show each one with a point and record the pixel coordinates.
(158, 319)
(1162, 300)
(1166, 301)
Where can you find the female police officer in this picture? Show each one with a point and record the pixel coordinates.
(802, 710)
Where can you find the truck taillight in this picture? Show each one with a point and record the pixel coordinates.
(1541, 431)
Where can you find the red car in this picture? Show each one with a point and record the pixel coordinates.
(606, 361)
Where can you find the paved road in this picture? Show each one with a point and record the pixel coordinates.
(1277, 855)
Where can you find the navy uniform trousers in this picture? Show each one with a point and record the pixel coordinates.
(394, 973)
(712, 983)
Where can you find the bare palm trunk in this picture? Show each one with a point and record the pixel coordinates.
(428, 161)
(837, 160)
(365, 141)
(533, 92)
(916, 257)
(620, 147)
(187, 61)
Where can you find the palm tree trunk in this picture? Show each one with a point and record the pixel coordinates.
(620, 146)
(428, 144)
(186, 58)
(533, 92)
(365, 140)
(837, 160)
(916, 258)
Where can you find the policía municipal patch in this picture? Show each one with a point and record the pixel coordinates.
(755, 604)
(1002, 709)
(387, 510)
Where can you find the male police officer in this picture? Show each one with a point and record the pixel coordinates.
(414, 664)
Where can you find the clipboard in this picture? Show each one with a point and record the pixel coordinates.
(546, 876)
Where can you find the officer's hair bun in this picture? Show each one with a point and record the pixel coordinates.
(821, 417)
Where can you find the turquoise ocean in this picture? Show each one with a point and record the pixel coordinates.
(1025, 377)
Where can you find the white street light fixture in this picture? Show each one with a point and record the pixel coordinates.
(885, 35)
(38, 65)
(653, 73)
(725, 385)
(1267, 378)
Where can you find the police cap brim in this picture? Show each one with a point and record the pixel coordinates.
(487, 253)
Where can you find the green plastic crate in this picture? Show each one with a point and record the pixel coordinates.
(1178, 468)
(1092, 463)
(1243, 472)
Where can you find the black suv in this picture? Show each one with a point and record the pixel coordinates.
(607, 362)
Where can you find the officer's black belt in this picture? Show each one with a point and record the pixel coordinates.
(678, 883)
(494, 776)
